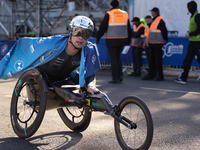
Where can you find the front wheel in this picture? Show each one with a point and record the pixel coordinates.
(28, 104)
(140, 138)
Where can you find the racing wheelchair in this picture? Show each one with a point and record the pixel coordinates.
(34, 94)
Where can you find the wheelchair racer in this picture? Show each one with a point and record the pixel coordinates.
(60, 67)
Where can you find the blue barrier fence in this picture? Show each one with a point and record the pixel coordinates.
(174, 51)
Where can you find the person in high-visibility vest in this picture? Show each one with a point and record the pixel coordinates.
(194, 42)
(137, 44)
(157, 37)
(148, 20)
(117, 27)
(143, 21)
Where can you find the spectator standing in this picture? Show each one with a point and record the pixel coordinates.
(194, 41)
(148, 21)
(143, 21)
(117, 27)
(157, 37)
(137, 45)
(94, 33)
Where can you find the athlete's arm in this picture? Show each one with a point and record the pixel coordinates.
(90, 83)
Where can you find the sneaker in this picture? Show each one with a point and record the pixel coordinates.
(114, 81)
(132, 74)
(179, 80)
(147, 78)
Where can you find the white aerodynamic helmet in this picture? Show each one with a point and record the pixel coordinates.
(81, 26)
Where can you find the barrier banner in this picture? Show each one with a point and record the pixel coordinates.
(126, 55)
(174, 52)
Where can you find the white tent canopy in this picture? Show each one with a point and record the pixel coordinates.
(174, 12)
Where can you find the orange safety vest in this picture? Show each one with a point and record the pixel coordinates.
(117, 24)
(155, 36)
(138, 42)
(147, 36)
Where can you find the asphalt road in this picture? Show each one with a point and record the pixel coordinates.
(175, 110)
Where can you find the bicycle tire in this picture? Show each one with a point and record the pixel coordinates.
(135, 110)
(77, 119)
(28, 104)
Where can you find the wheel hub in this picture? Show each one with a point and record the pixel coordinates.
(24, 102)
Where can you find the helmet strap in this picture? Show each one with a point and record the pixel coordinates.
(72, 43)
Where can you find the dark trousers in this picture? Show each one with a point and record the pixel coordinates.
(191, 51)
(147, 53)
(137, 59)
(155, 63)
(115, 60)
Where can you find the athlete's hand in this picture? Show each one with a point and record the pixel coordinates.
(92, 89)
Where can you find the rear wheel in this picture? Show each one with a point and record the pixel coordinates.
(28, 104)
(140, 137)
(77, 119)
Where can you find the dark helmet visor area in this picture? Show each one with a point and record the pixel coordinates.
(85, 33)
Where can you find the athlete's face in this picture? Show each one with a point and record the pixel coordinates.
(78, 41)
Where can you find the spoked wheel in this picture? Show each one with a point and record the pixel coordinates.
(140, 137)
(77, 119)
(28, 104)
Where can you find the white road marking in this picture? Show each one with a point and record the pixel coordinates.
(8, 95)
(167, 90)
